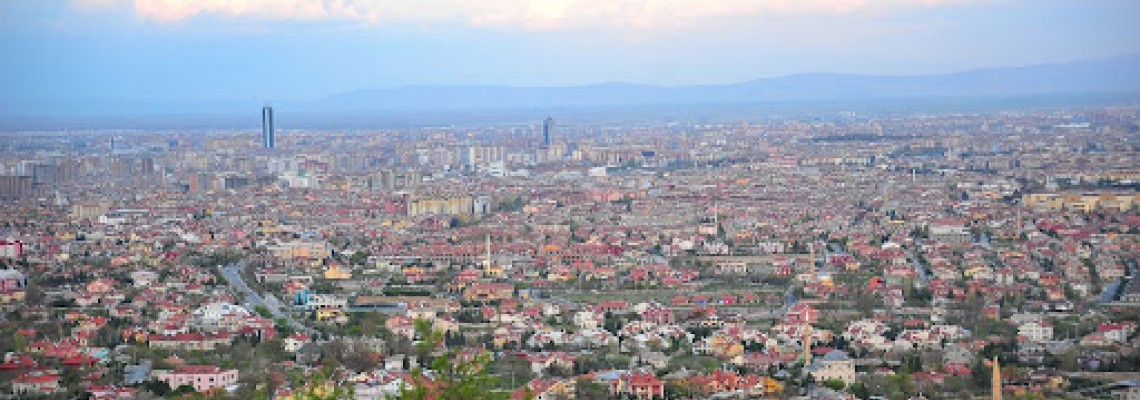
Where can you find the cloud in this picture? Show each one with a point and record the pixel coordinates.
(504, 14)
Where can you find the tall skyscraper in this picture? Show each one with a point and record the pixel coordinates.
(267, 139)
(547, 127)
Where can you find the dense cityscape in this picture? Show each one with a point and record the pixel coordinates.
(570, 200)
(848, 256)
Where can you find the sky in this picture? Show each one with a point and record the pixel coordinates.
(102, 55)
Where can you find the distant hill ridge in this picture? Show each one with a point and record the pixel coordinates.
(1109, 75)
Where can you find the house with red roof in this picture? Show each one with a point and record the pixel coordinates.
(401, 326)
(36, 383)
(639, 385)
(487, 291)
(80, 360)
(658, 315)
(14, 362)
(294, 342)
(724, 381)
(801, 313)
(1116, 332)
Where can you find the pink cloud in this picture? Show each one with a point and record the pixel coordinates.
(505, 14)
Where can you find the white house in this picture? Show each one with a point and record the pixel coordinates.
(835, 365)
(1036, 331)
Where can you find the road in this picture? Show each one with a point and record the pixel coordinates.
(232, 274)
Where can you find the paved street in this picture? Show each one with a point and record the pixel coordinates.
(232, 274)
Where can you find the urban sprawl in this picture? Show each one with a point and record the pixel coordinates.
(950, 256)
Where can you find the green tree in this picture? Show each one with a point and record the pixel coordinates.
(514, 368)
(321, 387)
(70, 378)
(160, 388)
(359, 258)
(452, 378)
(19, 343)
(182, 390)
(34, 295)
(588, 389)
(980, 374)
(860, 390)
(835, 384)
(677, 389)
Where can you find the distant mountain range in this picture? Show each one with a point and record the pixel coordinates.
(1110, 75)
(1100, 82)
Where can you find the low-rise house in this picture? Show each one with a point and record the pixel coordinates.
(545, 389)
(314, 301)
(588, 319)
(12, 285)
(613, 307)
(379, 386)
(658, 315)
(1036, 331)
(542, 362)
(1117, 332)
(189, 341)
(488, 292)
(727, 382)
(108, 392)
(1128, 393)
(801, 313)
(294, 343)
(835, 365)
(36, 383)
(639, 385)
(202, 378)
(336, 315)
(593, 338)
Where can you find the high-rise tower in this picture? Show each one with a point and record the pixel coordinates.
(267, 139)
(547, 127)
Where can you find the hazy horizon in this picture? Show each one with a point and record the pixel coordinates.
(67, 56)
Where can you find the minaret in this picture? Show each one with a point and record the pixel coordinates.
(716, 215)
(811, 258)
(807, 344)
(995, 381)
(487, 261)
(1019, 223)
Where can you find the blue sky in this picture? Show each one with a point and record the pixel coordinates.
(120, 53)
